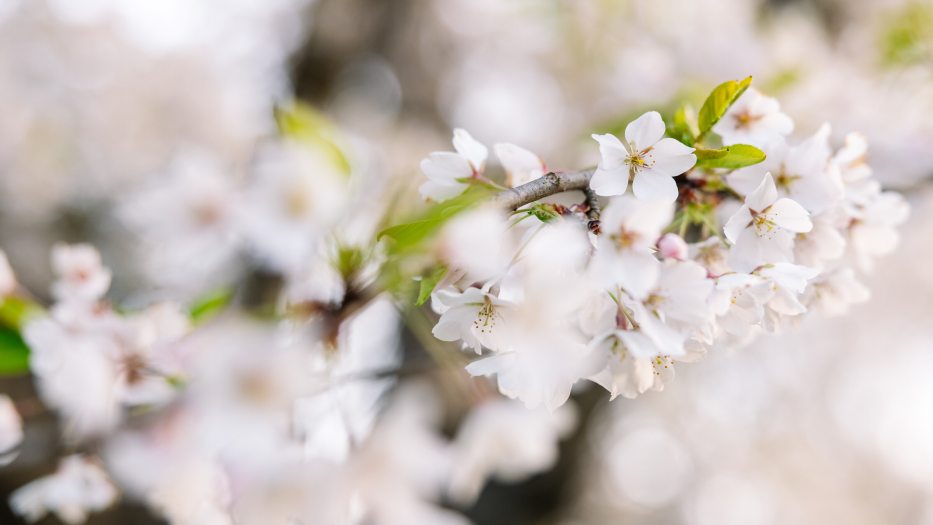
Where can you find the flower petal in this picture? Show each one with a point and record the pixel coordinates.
(612, 151)
(737, 223)
(651, 185)
(609, 182)
(763, 196)
(472, 150)
(645, 131)
(791, 216)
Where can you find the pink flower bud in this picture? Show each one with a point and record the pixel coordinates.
(672, 246)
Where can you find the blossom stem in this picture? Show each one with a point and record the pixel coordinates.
(550, 184)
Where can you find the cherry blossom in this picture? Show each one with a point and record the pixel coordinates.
(754, 119)
(77, 488)
(646, 157)
(448, 172)
(11, 430)
(763, 229)
(81, 275)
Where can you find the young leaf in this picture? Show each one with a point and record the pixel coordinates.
(719, 101)
(16, 312)
(682, 125)
(729, 157)
(14, 354)
(305, 124)
(209, 305)
(411, 234)
(429, 283)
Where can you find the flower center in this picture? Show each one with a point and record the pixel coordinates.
(486, 317)
(745, 119)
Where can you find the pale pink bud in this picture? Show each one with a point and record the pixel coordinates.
(672, 246)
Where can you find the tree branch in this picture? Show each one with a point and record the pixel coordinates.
(550, 184)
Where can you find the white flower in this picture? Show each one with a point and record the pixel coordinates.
(739, 304)
(448, 172)
(788, 282)
(7, 277)
(81, 276)
(762, 230)
(630, 230)
(11, 430)
(804, 173)
(77, 488)
(478, 242)
(681, 293)
(646, 157)
(754, 119)
(821, 244)
(832, 293)
(473, 316)
(521, 166)
(873, 231)
(503, 439)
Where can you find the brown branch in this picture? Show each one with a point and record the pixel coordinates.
(550, 184)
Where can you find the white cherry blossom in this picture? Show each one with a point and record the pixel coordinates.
(78, 488)
(754, 119)
(449, 172)
(81, 275)
(474, 316)
(521, 166)
(646, 157)
(763, 229)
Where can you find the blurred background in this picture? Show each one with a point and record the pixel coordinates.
(105, 101)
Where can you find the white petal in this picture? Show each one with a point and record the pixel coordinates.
(445, 166)
(737, 223)
(645, 131)
(612, 151)
(650, 185)
(637, 273)
(470, 149)
(520, 165)
(609, 182)
(438, 192)
(791, 216)
(763, 196)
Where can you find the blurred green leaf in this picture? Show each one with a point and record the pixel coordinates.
(16, 312)
(683, 124)
(307, 125)
(412, 233)
(207, 306)
(719, 101)
(729, 157)
(14, 354)
(429, 283)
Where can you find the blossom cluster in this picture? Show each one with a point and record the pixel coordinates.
(294, 411)
(700, 255)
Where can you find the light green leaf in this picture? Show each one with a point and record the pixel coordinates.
(307, 125)
(413, 233)
(15, 312)
(429, 283)
(719, 101)
(729, 157)
(682, 125)
(209, 305)
(14, 354)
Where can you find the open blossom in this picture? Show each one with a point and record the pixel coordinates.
(521, 166)
(77, 488)
(788, 282)
(873, 230)
(630, 231)
(11, 430)
(803, 173)
(81, 275)
(763, 229)
(449, 172)
(646, 157)
(474, 316)
(754, 119)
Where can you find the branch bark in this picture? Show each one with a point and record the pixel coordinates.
(550, 184)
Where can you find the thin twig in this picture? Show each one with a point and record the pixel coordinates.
(550, 184)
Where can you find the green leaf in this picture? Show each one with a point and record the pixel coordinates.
(429, 283)
(14, 354)
(729, 157)
(682, 125)
(209, 305)
(307, 125)
(414, 232)
(15, 312)
(719, 101)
